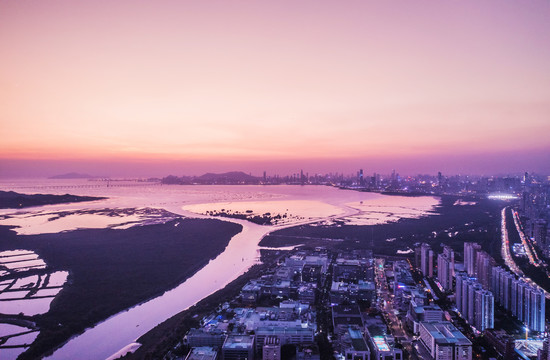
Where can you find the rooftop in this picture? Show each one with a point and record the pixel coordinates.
(239, 342)
(381, 344)
(357, 340)
(202, 353)
(445, 333)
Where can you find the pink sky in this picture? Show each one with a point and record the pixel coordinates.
(252, 84)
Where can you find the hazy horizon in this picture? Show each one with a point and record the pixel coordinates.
(132, 88)
(511, 163)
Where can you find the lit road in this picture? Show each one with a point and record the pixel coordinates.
(385, 304)
(527, 244)
(505, 250)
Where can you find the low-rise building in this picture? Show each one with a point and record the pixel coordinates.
(272, 348)
(418, 313)
(381, 343)
(341, 292)
(202, 337)
(238, 347)
(354, 345)
(444, 341)
(346, 315)
(503, 343)
(202, 353)
(295, 335)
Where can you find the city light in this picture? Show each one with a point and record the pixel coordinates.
(500, 196)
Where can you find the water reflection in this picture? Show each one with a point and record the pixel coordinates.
(277, 212)
(46, 222)
(22, 295)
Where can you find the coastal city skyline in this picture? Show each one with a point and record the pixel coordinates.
(143, 89)
(275, 180)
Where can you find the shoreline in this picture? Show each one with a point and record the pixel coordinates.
(15, 200)
(172, 329)
(157, 341)
(272, 229)
(140, 277)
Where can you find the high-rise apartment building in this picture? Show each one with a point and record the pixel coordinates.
(484, 310)
(470, 254)
(445, 268)
(525, 301)
(426, 260)
(475, 304)
(483, 269)
(536, 300)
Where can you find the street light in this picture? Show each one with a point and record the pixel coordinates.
(526, 332)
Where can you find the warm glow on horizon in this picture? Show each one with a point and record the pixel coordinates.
(272, 81)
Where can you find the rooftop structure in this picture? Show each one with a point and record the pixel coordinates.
(346, 315)
(382, 344)
(444, 341)
(238, 347)
(203, 337)
(353, 344)
(202, 353)
(288, 335)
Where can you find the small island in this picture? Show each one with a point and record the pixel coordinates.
(14, 200)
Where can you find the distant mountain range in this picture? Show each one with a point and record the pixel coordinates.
(228, 178)
(73, 175)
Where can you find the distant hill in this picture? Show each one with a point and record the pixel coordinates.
(73, 175)
(13, 200)
(233, 176)
(228, 178)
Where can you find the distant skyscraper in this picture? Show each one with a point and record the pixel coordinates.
(539, 234)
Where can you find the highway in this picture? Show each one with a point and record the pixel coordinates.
(505, 249)
(527, 244)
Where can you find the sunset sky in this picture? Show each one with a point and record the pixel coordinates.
(183, 87)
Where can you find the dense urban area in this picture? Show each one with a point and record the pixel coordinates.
(439, 302)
